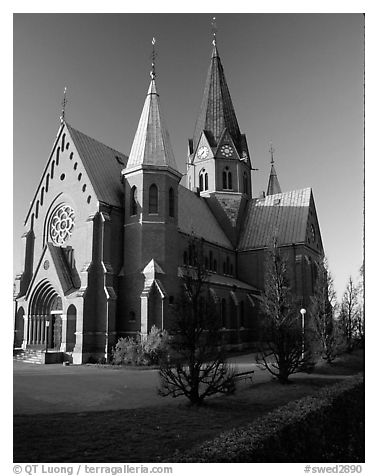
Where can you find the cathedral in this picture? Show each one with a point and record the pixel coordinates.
(108, 235)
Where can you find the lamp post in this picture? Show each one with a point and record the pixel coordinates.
(47, 332)
(303, 312)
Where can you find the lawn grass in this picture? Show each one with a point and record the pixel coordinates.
(152, 434)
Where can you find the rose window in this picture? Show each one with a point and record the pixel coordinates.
(61, 224)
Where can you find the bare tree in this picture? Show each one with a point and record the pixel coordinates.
(283, 339)
(322, 308)
(196, 367)
(350, 314)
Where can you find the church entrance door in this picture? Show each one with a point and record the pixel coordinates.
(45, 318)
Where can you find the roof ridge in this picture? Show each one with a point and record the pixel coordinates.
(95, 140)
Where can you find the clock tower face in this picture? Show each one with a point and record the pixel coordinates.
(202, 152)
(226, 151)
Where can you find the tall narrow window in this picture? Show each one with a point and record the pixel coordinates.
(245, 182)
(42, 195)
(153, 199)
(203, 180)
(57, 156)
(47, 182)
(227, 179)
(171, 199)
(52, 169)
(224, 313)
(133, 201)
(241, 313)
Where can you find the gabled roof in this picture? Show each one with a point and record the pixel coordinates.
(217, 111)
(273, 183)
(68, 277)
(195, 216)
(151, 144)
(283, 215)
(103, 166)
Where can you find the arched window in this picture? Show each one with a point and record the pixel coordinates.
(245, 182)
(132, 316)
(133, 201)
(171, 199)
(227, 179)
(203, 180)
(241, 306)
(224, 313)
(153, 199)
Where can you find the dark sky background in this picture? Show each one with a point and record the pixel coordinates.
(295, 79)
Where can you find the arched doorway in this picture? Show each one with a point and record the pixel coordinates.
(45, 318)
(19, 328)
(71, 328)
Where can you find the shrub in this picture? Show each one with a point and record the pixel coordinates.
(325, 427)
(141, 350)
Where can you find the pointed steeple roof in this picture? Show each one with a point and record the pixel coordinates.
(151, 144)
(273, 183)
(217, 111)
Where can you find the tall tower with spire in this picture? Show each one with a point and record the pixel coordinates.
(151, 180)
(219, 163)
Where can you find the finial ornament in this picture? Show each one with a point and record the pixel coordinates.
(64, 104)
(214, 30)
(153, 58)
(272, 151)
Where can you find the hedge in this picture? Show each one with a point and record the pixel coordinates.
(325, 427)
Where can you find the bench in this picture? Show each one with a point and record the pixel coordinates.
(244, 375)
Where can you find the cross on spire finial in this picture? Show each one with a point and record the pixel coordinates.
(153, 58)
(214, 30)
(64, 104)
(272, 151)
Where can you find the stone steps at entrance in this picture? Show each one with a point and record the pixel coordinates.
(37, 356)
(28, 356)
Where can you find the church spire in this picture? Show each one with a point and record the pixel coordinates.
(217, 111)
(151, 144)
(273, 184)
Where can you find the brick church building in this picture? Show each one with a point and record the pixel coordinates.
(107, 234)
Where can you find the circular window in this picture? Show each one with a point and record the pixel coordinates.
(61, 224)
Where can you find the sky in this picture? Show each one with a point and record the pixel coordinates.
(295, 79)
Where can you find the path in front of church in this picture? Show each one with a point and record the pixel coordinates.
(56, 388)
